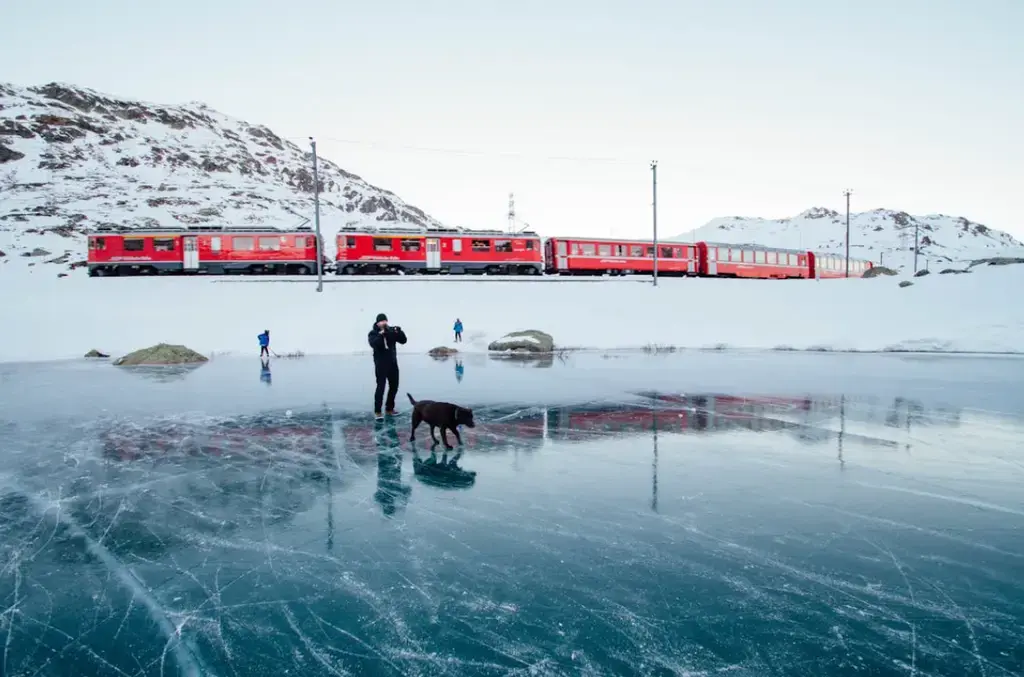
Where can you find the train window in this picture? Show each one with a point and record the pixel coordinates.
(503, 246)
(382, 244)
(270, 243)
(771, 257)
(300, 241)
(242, 243)
(735, 254)
(759, 257)
(98, 243)
(588, 249)
(604, 250)
(133, 244)
(215, 243)
(792, 259)
(457, 245)
(350, 242)
(561, 248)
(748, 256)
(650, 252)
(411, 245)
(529, 245)
(636, 250)
(480, 245)
(666, 252)
(163, 244)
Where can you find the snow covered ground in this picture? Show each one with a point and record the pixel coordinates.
(66, 317)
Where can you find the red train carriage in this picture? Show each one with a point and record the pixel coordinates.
(362, 251)
(203, 249)
(826, 265)
(590, 256)
(719, 259)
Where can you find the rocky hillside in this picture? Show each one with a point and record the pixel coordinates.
(881, 235)
(72, 159)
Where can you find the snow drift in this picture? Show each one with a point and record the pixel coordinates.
(62, 318)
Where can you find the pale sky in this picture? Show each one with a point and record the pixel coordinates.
(751, 107)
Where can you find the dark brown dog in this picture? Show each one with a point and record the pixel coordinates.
(443, 415)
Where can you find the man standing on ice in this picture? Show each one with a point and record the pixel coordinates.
(383, 338)
(458, 330)
(264, 343)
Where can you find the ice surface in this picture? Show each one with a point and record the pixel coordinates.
(798, 514)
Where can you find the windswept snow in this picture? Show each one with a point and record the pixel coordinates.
(880, 235)
(64, 318)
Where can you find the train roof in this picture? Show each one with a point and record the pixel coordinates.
(400, 231)
(190, 230)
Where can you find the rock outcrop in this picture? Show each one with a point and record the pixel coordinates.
(528, 341)
(96, 353)
(442, 351)
(877, 271)
(161, 354)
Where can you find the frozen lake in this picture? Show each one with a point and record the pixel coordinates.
(690, 514)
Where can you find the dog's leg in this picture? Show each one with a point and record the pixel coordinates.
(444, 436)
(432, 435)
(415, 422)
(457, 435)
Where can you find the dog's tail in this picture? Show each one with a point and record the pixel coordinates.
(410, 399)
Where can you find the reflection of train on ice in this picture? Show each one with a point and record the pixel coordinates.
(261, 437)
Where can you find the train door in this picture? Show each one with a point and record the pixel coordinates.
(712, 260)
(691, 259)
(433, 253)
(562, 250)
(190, 248)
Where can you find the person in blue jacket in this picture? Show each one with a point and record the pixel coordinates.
(383, 338)
(458, 330)
(264, 339)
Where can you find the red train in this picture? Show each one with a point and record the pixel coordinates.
(203, 249)
(490, 252)
(262, 250)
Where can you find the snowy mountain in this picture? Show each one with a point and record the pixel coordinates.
(881, 235)
(72, 159)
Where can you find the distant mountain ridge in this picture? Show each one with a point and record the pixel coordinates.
(880, 235)
(72, 159)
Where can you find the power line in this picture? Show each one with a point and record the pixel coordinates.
(477, 153)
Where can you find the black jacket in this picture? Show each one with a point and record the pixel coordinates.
(384, 353)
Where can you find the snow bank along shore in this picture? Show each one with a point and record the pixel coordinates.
(45, 319)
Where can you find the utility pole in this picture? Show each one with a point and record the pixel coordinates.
(316, 220)
(915, 245)
(847, 193)
(654, 204)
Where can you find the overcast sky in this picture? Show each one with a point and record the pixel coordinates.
(751, 107)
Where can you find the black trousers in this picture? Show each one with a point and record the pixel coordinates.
(264, 350)
(386, 373)
(458, 336)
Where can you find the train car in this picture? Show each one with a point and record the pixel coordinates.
(826, 265)
(126, 252)
(720, 259)
(362, 251)
(251, 250)
(211, 250)
(591, 256)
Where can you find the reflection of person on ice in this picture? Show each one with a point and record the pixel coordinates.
(384, 338)
(264, 343)
(458, 330)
